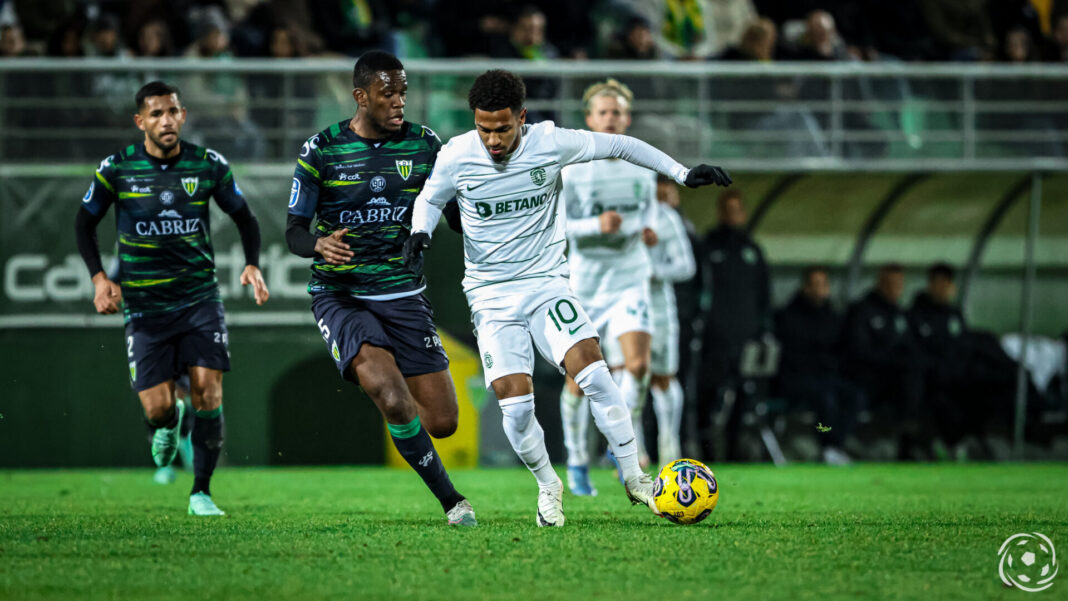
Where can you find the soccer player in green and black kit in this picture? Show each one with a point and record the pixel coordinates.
(167, 285)
(360, 177)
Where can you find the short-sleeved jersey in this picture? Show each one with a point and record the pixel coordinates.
(367, 186)
(605, 264)
(512, 227)
(166, 261)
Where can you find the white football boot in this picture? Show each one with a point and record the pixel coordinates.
(640, 491)
(462, 514)
(551, 505)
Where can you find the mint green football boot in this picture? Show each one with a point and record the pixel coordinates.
(201, 504)
(165, 440)
(164, 475)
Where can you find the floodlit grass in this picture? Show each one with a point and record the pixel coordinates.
(808, 532)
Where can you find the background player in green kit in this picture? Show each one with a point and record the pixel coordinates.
(360, 178)
(167, 284)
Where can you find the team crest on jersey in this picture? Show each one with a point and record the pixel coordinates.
(537, 176)
(487, 359)
(167, 198)
(190, 184)
(404, 168)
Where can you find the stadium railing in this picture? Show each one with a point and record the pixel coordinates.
(752, 116)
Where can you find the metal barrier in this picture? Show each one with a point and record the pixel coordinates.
(754, 116)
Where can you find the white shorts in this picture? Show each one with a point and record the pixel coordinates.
(549, 314)
(665, 355)
(615, 315)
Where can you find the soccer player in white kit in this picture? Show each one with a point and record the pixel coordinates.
(506, 176)
(672, 261)
(611, 210)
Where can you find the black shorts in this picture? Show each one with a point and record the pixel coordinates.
(404, 326)
(162, 348)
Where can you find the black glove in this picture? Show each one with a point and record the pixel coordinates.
(704, 175)
(452, 216)
(414, 245)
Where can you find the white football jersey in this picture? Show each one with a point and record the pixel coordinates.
(606, 264)
(512, 226)
(672, 261)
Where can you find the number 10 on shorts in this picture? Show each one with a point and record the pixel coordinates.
(563, 315)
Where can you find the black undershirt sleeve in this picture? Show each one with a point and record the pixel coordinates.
(301, 242)
(452, 216)
(249, 229)
(85, 234)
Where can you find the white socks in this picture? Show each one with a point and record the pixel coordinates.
(527, 438)
(611, 415)
(575, 413)
(633, 391)
(668, 407)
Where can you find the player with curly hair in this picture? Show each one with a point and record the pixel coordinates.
(506, 176)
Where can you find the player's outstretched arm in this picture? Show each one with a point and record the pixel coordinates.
(645, 155)
(706, 175)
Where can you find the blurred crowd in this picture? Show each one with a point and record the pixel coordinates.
(822, 30)
(910, 372)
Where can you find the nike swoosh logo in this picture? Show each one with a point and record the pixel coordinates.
(470, 187)
(574, 329)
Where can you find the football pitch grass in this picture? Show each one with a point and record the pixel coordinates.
(804, 532)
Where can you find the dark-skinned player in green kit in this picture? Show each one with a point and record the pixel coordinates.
(359, 178)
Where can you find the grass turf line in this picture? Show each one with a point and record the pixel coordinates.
(805, 532)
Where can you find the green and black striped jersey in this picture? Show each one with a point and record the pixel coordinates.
(166, 261)
(368, 187)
